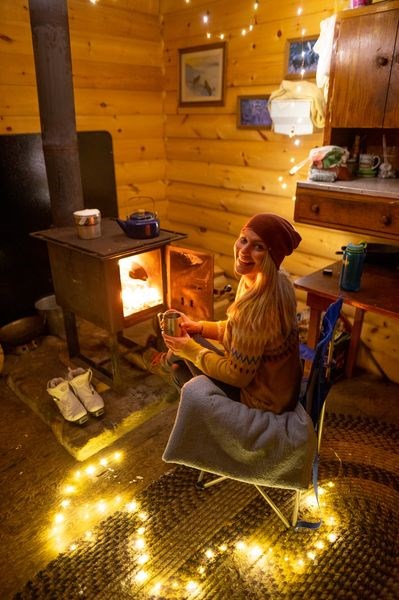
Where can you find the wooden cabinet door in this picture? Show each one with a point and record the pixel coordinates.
(362, 66)
(391, 118)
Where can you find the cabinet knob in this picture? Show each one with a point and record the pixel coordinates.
(382, 61)
(315, 208)
(386, 220)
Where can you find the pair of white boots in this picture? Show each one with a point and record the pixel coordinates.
(75, 396)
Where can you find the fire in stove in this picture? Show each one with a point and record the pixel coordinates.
(141, 282)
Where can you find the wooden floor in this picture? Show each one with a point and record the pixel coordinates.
(35, 470)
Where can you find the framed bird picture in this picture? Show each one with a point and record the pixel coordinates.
(202, 75)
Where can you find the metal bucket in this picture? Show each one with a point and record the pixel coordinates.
(52, 315)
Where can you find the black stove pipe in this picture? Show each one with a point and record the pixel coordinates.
(52, 54)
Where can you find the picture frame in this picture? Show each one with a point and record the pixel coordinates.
(202, 75)
(300, 55)
(253, 112)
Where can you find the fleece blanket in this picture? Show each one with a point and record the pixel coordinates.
(215, 434)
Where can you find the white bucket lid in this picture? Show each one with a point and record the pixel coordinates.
(87, 212)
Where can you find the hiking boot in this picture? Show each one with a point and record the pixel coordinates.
(152, 361)
(79, 380)
(69, 406)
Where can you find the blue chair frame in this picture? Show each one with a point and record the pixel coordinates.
(313, 398)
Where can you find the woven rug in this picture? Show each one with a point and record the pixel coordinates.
(226, 543)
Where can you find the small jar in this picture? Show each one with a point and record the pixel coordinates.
(352, 267)
(88, 223)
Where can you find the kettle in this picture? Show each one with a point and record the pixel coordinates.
(142, 224)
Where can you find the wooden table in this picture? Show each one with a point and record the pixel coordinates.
(379, 293)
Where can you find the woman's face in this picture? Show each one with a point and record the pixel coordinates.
(249, 252)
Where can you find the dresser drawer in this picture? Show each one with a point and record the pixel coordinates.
(350, 212)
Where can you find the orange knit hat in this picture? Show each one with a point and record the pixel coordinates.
(277, 233)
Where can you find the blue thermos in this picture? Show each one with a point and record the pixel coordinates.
(352, 267)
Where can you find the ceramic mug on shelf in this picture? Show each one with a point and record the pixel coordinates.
(368, 165)
(369, 161)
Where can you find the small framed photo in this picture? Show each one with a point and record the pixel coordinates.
(253, 112)
(202, 75)
(301, 59)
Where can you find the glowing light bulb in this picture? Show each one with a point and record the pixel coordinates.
(332, 537)
(141, 576)
(299, 11)
(311, 555)
(241, 545)
(208, 35)
(65, 503)
(59, 518)
(280, 178)
(90, 470)
(319, 544)
(303, 32)
(69, 489)
(117, 456)
(131, 506)
(205, 19)
(243, 31)
(297, 142)
(73, 547)
(255, 552)
(143, 558)
(141, 530)
(143, 515)
(209, 553)
(192, 586)
(256, 5)
(223, 548)
(139, 544)
(221, 36)
(103, 462)
(201, 570)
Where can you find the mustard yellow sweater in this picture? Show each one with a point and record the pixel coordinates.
(269, 376)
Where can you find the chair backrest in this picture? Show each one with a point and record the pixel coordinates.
(319, 381)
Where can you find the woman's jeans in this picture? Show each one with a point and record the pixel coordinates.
(184, 370)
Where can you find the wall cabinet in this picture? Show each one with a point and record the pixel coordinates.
(365, 80)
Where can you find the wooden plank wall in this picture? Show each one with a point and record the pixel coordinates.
(219, 175)
(117, 67)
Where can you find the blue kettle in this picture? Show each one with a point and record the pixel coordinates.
(141, 225)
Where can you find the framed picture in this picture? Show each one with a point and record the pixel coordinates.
(253, 112)
(202, 75)
(301, 60)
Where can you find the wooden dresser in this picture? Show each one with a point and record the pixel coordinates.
(363, 101)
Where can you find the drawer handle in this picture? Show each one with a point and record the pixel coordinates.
(315, 208)
(386, 220)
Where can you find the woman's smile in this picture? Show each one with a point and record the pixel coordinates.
(249, 252)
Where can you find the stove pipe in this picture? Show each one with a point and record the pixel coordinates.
(52, 54)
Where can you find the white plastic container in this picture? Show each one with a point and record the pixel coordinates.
(88, 223)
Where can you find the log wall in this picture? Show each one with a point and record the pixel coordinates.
(219, 175)
(206, 175)
(117, 66)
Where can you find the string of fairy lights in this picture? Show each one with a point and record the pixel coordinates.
(74, 526)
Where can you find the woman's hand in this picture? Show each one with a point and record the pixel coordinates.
(175, 343)
(189, 326)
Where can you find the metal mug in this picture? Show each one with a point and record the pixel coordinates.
(169, 322)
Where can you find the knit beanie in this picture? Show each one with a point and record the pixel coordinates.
(279, 235)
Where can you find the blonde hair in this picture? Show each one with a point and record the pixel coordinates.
(268, 306)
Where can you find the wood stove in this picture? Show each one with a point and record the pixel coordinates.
(114, 282)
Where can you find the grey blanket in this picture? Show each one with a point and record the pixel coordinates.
(215, 434)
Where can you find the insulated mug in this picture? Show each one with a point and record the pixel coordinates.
(169, 322)
(352, 267)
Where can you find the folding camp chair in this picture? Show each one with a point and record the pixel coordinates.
(232, 441)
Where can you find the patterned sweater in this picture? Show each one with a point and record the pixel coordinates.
(269, 376)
